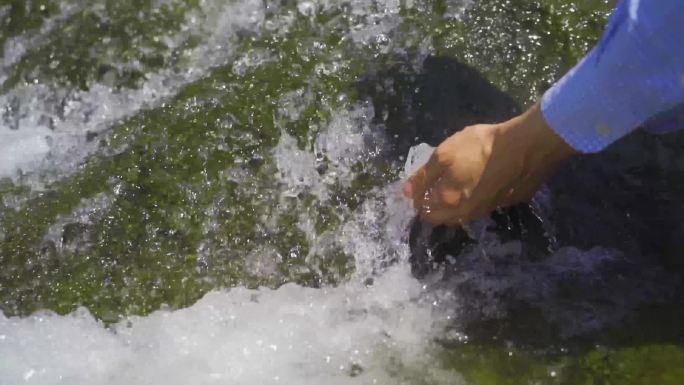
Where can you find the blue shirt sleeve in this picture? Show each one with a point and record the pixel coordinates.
(634, 77)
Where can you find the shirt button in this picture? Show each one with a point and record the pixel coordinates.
(603, 129)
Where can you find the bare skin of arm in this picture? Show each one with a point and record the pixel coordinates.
(484, 167)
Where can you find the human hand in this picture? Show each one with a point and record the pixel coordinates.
(484, 167)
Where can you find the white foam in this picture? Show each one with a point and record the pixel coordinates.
(292, 335)
(22, 149)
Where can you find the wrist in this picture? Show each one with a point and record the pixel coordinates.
(532, 138)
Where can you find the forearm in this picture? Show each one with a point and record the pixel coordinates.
(634, 74)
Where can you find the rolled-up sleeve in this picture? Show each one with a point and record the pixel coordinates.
(633, 76)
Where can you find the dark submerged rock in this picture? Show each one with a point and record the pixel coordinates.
(603, 241)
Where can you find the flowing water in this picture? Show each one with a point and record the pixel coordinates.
(203, 192)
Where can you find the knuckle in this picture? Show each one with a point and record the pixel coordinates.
(440, 155)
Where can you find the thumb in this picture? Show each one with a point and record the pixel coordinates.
(422, 180)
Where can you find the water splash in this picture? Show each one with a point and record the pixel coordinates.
(56, 124)
(352, 334)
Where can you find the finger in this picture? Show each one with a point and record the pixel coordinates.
(472, 207)
(407, 189)
(446, 194)
(458, 210)
(424, 179)
(458, 216)
(438, 217)
(459, 219)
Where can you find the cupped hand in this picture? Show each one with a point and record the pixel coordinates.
(484, 167)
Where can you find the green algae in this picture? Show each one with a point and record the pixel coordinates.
(98, 40)
(645, 365)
